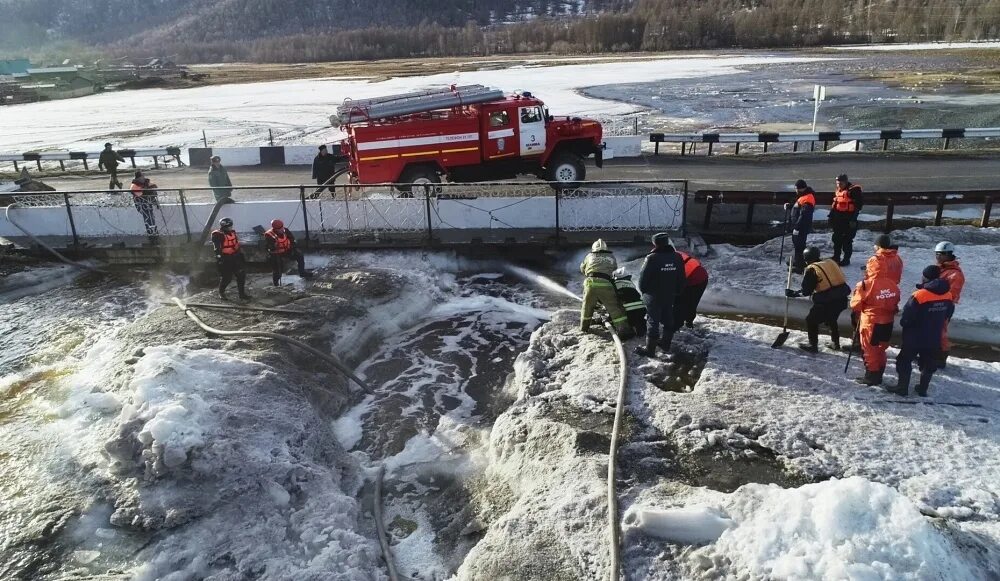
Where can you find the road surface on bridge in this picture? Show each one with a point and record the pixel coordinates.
(875, 171)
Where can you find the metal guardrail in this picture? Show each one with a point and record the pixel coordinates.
(937, 198)
(689, 141)
(349, 213)
(85, 156)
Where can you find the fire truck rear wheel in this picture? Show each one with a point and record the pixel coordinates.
(416, 177)
(566, 168)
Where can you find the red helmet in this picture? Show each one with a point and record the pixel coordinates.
(277, 224)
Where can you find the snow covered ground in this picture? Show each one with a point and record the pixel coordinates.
(232, 115)
(770, 464)
(752, 278)
(920, 46)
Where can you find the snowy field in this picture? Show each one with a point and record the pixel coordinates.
(920, 46)
(232, 115)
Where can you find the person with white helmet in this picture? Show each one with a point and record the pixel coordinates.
(951, 271)
(599, 288)
(631, 301)
(280, 244)
(660, 281)
(229, 257)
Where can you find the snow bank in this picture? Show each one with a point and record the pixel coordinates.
(920, 46)
(692, 525)
(230, 113)
(840, 529)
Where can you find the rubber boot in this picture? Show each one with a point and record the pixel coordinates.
(942, 361)
(809, 347)
(924, 384)
(626, 333)
(901, 388)
(276, 280)
(870, 378)
(649, 350)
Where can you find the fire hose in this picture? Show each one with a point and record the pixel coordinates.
(267, 334)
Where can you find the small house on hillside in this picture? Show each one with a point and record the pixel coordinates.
(14, 66)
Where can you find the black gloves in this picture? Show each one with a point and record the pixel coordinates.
(790, 293)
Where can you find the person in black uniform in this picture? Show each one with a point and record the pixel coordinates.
(631, 301)
(824, 281)
(229, 257)
(660, 281)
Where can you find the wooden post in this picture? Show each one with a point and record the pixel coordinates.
(85, 166)
(826, 145)
(947, 142)
(765, 147)
(15, 166)
(795, 147)
(710, 144)
(750, 207)
(708, 213)
(986, 213)
(270, 136)
(885, 145)
(156, 162)
(656, 148)
(940, 211)
(62, 165)
(737, 148)
(683, 148)
(38, 162)
(889, 211)
(857, 145)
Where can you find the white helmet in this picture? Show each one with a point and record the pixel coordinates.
(599, 246)
(945, 246)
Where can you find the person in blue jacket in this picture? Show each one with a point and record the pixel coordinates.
(802, 222)
(924, 318)
(660, 281)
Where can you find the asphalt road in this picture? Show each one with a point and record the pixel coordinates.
(875, 171)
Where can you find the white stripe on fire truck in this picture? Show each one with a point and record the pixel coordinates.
(500, 133)
(414, 141)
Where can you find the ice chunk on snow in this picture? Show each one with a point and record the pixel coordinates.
(839, 529)
(694, 525)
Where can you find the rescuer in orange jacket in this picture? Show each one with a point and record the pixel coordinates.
(944, 253)
(229, 257)
(281, 246)
(847, 203)
(876, 300)
(695, 283)
(885, 263)
(145, 199)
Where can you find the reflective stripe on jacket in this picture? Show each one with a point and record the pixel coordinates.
(599, 264)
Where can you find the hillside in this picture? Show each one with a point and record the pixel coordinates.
(331, 30)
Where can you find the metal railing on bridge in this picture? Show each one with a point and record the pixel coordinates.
(385, 214)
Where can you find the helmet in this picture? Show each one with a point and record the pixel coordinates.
(811, 254)
(277, 224)
(599, 246)
(662, 239)
(620, 273)
(945, 246)
(843, 178)
(931, 272)
(801, 184)
(226, 222)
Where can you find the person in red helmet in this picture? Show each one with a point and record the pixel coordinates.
(280, 247)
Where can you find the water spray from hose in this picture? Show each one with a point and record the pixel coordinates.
(543, 281)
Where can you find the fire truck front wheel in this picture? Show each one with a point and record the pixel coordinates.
(566, 167)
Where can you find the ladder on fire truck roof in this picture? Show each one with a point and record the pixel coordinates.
(409, 103)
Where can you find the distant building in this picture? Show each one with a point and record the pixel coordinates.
(14, 66)
(59, 82)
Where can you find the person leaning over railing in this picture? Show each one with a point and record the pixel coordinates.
(218, 180)
(145, 199)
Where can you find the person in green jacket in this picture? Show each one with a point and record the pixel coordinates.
(218, 180)
(108, 161)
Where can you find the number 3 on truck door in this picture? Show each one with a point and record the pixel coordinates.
(532, 130)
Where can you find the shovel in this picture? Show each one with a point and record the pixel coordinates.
(784, 230)
(783, 336)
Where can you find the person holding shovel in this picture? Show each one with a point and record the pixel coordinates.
(824, 281)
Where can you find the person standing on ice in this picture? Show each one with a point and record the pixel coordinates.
(801, 221)
(951, 271)
(876, 301)
(885, 263)
(281, 246)
(660, 281)
(847, 203)
(630, 301)
(599, 288)
(825, 283)
(696, 281)
(229, 258)
(218, 180)
(109, 161)
(924, 319)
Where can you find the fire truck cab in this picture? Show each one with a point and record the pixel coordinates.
(463, 134)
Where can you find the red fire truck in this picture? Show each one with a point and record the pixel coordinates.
(463, 134)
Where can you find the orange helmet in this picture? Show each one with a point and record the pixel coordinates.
(277, 224)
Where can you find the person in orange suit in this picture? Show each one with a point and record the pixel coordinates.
(885, 263)
(944, 254)
(876, 301)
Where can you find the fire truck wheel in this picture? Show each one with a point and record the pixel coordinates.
(566, 167)
(416, 177)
